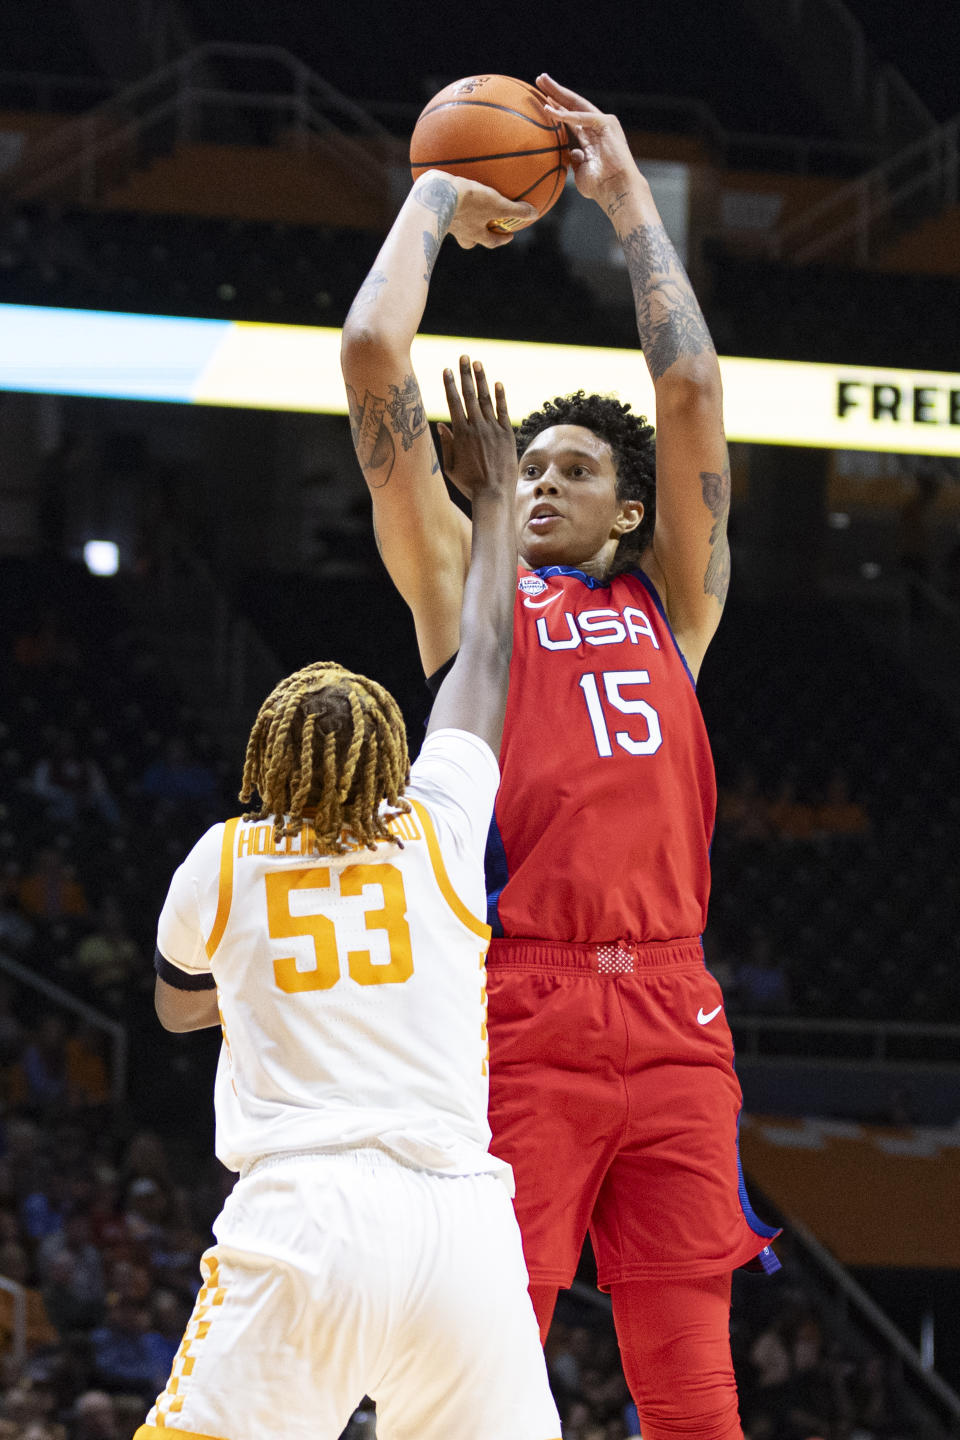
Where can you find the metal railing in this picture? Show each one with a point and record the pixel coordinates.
(174, 105)
(851, 1297)
(18, 1344)
(874, 97)
(120, 124)
(112, 1028)
(858, 218)
(870, 1041)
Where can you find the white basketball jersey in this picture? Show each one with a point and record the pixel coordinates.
(351, 987)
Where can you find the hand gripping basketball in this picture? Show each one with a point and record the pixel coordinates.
(599, 152)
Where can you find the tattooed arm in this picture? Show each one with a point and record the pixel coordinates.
(689, 559)
(423, 537)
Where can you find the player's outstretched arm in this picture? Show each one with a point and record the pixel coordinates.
(690, 557)
(423, 537)
(480, 456)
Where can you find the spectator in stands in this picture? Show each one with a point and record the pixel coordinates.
(107, 1229)
(951, 571)
(45, 1067)
(108, 959)
(146, 1211)
(17, 932)
(74, 1239)
(51, 890)
(913, 529)
(94, 1417)
(128, 1355)
(71, 785)
(15, 1265)
(178, 778)
(88, 1083)
(11, 1030)
(68, 1303)
(47, 1203)
(761, 981)
(742, 810)
(838, 815)
(790, 817)
(45, 647)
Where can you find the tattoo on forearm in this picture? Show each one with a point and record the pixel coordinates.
(372, 440)
(715, 488)
(616, 203)
(405, 408)
(431, 249)
(439, 197)
(669, 320)
(368, 291)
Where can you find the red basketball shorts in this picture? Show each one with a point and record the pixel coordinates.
(613, 1096)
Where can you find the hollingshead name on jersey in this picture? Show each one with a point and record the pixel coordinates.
(565, 629)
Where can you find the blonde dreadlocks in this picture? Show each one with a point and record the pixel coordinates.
(331, 742)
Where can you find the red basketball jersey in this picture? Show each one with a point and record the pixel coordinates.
(606, 807)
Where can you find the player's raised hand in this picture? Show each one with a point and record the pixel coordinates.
(479, 208)
(479, 448)
(599, 153)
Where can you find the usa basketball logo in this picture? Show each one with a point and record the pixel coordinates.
(531, 585)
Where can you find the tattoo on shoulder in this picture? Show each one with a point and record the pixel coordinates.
(372, 441)
(715, 488)
(669, 320)
(405, 408)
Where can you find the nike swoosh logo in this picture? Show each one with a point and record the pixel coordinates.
(703, 1019)
(539, 604)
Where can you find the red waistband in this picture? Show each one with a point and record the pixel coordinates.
(607, 957)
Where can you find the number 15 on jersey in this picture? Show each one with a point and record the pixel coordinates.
(614, 683)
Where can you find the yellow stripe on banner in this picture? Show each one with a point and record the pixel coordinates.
(274, 367)
(767, 402)
(225, 892)
(478, 927)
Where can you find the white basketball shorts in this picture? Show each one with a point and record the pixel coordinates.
(339, 1276)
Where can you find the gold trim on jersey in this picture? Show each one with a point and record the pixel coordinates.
(170, 1402)
(154, 1432)
(465, 916)
(225, 892)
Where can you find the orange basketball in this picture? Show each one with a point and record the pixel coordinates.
(494, 129)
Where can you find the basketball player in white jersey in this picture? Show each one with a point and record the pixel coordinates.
(369, 1246)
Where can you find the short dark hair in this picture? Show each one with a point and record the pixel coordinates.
(631, 439)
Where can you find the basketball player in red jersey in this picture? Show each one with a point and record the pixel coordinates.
(613, 1093)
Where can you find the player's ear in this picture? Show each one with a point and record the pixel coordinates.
(628, 518)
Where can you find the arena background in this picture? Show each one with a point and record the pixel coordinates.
(232, 164)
